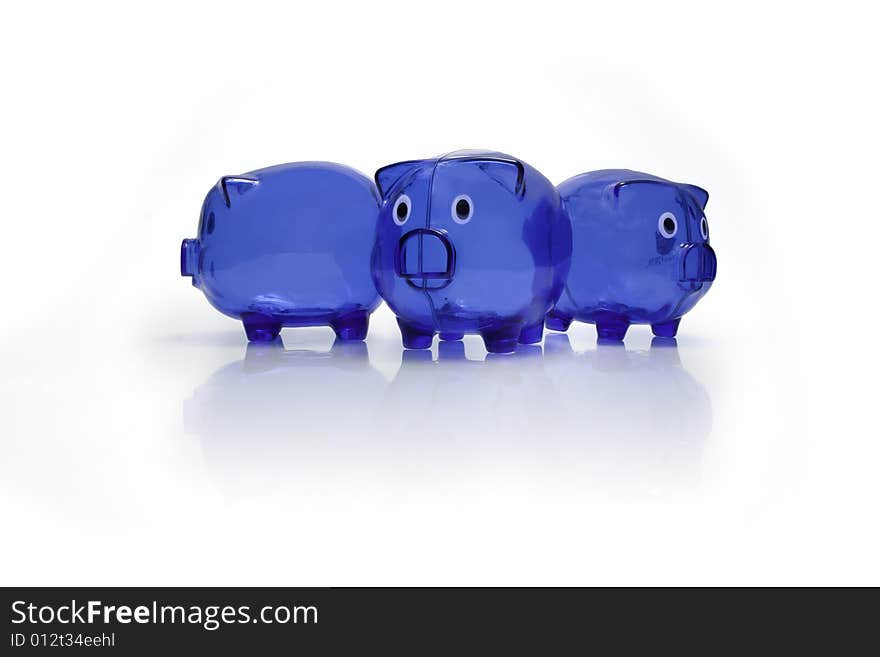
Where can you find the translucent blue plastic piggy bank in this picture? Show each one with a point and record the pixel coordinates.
(641, 252)
(288, 246)
(470, 242)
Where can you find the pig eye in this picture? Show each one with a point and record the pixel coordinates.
(704, 228)
(462, 209)
(401, 209)
(667, 225)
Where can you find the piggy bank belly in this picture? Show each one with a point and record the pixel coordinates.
(642, 295)
(293, 286)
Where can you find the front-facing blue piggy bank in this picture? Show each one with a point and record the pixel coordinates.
(288, 246)
(641, 252)
(470, 242)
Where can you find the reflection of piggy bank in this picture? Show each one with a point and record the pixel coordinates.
(288, 246)
(641, 415)
(273, 417)
(470, 242)
(503, 414)
(641, 252)
(494, 399)
(610, 420)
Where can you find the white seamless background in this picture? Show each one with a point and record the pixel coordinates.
(143, 443)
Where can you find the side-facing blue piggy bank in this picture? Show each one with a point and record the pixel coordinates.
(470, 242)
(288, 245)
(641, 252)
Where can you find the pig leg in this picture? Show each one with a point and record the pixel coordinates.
(352, 326)
(556, 321)
(260, 327)
(612, 328)
(451, 350)
(666, 329)
(415, 337)
(451, 337)
(532, 333)
(501, 339)
(351, 350)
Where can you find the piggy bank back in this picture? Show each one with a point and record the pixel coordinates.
(470, 242)
(641, 252)
(288, 246)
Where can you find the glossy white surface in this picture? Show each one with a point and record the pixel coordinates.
(143, 442)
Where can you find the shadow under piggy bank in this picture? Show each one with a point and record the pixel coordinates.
(282, 416)
(633, 422)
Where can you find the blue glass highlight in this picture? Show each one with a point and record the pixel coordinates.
(288, 245)
(641, 253)
(470, 242)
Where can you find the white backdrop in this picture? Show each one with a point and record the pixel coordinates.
(141, 445)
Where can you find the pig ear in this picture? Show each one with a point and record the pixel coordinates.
(612, 192)
(386, 177)
(236, 185)
(700, 194)
(509, 173)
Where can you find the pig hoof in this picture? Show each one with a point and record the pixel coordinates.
(416, 356)
(664, 343)
(451, 337)
(260, 328)
(501, 341)
(451, 350)
(531, 334)
(352, 326)
(612, 329)
(666, 329)
(557, 322)
(351, 350)
(414, 337)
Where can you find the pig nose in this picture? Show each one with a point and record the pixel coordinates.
(425, 258)
(189, 260)
(698, 265)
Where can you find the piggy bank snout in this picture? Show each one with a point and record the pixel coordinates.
(423, 255)
(698, 264)
(189, 259)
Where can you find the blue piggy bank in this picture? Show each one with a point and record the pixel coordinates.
(470, 242)
(288, 246)
(641, 252)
